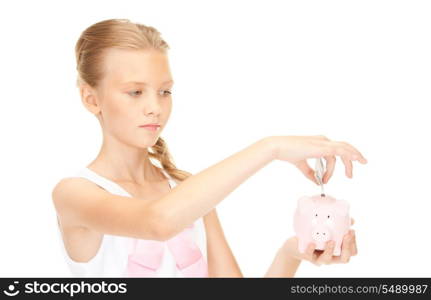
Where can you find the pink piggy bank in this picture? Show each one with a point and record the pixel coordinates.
(319, 219)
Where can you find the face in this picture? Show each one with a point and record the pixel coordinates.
(136, 90)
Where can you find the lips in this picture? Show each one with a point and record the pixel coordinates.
(150, 125)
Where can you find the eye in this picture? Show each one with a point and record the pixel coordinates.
(328, 216)
(315, 215)
(132, 93)
(167, 93)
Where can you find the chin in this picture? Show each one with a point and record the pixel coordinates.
(147, 144)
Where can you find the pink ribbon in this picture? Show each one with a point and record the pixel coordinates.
(147, 256)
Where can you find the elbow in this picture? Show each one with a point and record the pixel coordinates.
(162, 232)
(162, 229)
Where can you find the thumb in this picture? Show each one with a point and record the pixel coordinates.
(304, 167)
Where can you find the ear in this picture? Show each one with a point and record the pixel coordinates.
(89, 98)
(304, 204)
(342, 207)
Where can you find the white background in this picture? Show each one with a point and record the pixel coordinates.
(355, 71)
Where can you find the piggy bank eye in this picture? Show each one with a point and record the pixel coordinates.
(315, 215)
(328, 216)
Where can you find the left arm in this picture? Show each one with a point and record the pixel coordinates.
(283, 264)
(221, 262)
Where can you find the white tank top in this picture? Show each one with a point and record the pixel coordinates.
(112, 257)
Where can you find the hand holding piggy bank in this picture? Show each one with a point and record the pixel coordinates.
(319, 219)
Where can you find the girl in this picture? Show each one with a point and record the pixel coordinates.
(122, 215)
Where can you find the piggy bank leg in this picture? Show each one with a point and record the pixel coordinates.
(337, 248)
(302, 245)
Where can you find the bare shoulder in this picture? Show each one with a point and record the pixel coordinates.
(68, 184)
(70, 189)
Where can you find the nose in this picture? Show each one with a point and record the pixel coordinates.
(321, 234)
(152, 105)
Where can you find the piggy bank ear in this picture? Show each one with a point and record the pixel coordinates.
(342, 207)
(304, 204)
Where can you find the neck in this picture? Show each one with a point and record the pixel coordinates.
(126, 164)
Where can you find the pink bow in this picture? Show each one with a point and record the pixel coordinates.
(147, 255)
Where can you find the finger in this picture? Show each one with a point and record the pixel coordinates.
(354, 245)
(348, 166)
(356, 155)
(345, 248)
(326, 256)
(344, 152)
(330, 166)
(322, 137)
(308, 255)
(305, 168)
(337, 148)
(336, 259)
(360, 157)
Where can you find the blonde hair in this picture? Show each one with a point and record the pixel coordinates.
(122, 34)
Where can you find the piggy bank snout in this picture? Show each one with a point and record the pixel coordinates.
(321, 234)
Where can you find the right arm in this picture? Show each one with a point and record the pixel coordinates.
(199, 194)
(81, 203)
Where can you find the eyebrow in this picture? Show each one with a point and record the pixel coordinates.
(145, 83)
